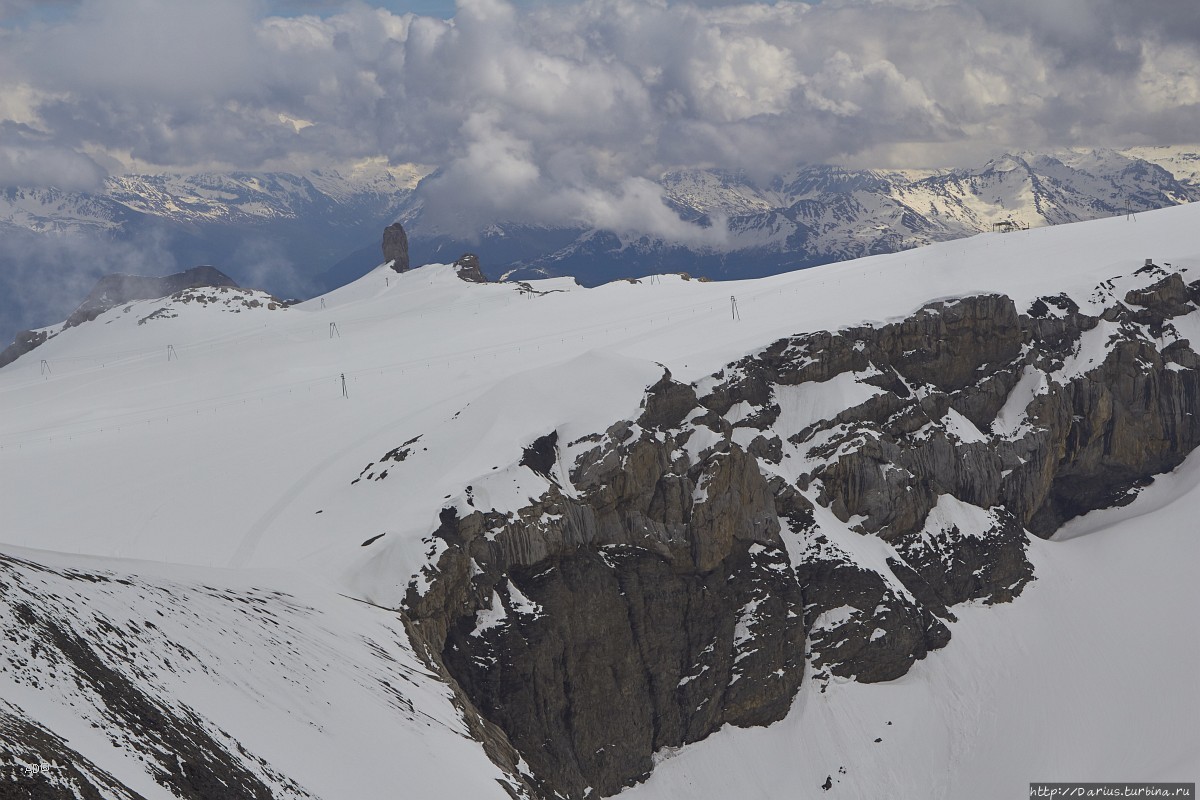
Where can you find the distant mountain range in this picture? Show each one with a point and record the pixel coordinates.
(298, 234)
(305, 221)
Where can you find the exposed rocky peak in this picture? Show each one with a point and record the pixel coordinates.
(1166, 299)
(829, 499)
(1009, 162)
(467, 268)
(395, 247)
(23, 342)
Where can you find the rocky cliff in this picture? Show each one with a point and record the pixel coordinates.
(816, 509)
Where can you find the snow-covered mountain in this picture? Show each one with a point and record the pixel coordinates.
(248, 197)
(238, 198)
(302, 233)
(831, 213)
(916, 524)
(817, 214)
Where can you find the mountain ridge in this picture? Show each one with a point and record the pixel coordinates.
(798, 508)
(813, 214)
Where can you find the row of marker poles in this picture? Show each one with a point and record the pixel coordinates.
(171, 356)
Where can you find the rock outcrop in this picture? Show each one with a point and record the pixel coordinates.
(681, 605)
(114, 290)
(467, 268)
(395, 247)
(23, 342)
(827, 500)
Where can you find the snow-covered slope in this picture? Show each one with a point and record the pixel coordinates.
(1182, 162)
(171, 681)
(416, 350)
(325, 442)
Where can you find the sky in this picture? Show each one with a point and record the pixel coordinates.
(568, 111)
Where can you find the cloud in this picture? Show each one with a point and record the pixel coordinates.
(148, 49)
(28, 158)
(44, 278)
(567, 112)
(1106, 35)
(17, 9)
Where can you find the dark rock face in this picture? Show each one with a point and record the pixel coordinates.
(959, 566)
(680, 605)
(541, 455)
(1087, 439)
(468, 269)
(658, 647)
(395, 247)
(70, 775)
(24, 342)
(680, 569)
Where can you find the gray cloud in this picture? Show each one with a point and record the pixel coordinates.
(1105, 35)
(44, 278)
(564, 112)
(30, 158)
(17, 9)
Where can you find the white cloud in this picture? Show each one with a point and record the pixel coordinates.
(568, 111)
